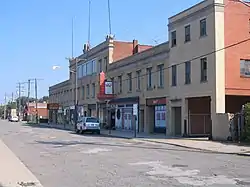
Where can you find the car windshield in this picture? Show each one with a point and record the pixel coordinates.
(92, 120)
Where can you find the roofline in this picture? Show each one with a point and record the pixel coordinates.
(186, 10)
(144, 51)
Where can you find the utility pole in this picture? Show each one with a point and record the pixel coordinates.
(5, 101)
(12, 97)
(36, 100)
(28, 99)
(19, 98)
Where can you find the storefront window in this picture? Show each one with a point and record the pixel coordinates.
(160, 116)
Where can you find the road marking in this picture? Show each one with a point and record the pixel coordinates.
(96, 150)
(185, 177)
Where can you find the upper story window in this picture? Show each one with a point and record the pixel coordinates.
(203, 27)
(88, 91)
(174, 75)
(160, 69)
(84, 69)
(106, 63)
(173, 38)
(245, 68)
(83, 93)
(100, 65)
(203, 69)
(187, 72)
(149, 77)
(93, 89)
(120, 83)
(138, 80)
(187, 33)
(88, 68)
(129, 82)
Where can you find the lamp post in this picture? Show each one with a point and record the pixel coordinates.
(76, 60)
(74, 71)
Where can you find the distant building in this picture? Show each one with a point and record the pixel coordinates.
(42, 110)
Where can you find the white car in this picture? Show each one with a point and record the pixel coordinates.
(14, 119)
(88, 124)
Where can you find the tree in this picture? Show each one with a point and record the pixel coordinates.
(44, 99)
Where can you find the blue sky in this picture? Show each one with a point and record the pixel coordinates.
(36, 34)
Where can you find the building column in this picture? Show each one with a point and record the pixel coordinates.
(184, 116)
(169, 127)
(149, 119)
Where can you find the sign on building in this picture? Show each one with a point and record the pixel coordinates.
(108, 87)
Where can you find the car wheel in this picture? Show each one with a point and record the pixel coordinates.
(77, 131)
(98, 132)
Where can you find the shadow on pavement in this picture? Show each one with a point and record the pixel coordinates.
(47, 127)
(60, 144)
(101, 135)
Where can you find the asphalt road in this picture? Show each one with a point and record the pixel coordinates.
(63, 159)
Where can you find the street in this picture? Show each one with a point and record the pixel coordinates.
(61, 158)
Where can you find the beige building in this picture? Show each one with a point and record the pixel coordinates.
(90, 64)
(181, 86)
(141, 79)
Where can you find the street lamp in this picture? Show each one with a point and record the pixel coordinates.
(76, 60)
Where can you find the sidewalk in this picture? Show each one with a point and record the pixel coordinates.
(13, 173)
(190, 143)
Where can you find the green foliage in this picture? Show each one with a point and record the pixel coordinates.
(246, 130)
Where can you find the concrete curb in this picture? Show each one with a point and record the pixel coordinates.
(246, 154)
(178, 145)
(116, 136)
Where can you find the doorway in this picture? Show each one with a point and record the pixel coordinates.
(176, 116)
(112, 119)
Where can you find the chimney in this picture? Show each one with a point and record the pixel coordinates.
(135, 47)
(86, 48)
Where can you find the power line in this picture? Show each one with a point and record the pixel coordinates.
(195, 58)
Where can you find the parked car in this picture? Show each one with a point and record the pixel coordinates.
(13, 119)
(88, 124)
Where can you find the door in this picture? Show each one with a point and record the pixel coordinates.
(177, 120)
(127, 121)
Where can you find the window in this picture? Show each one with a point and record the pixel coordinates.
(88, 91)
(187, 33)
(83, 93)
(84, 70)
(129, 82)
(120, 84)
(93, 90)
(138, 79)
(78, 72)
(93, 66)
(100, 65)
(160, 69)
(174, 75)
(106, 63)
(203, 27)
(245, 68)
(89, 68)
(173, 38)
(149, 78)
(203, 69)
(187, 72)
(113, 88)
